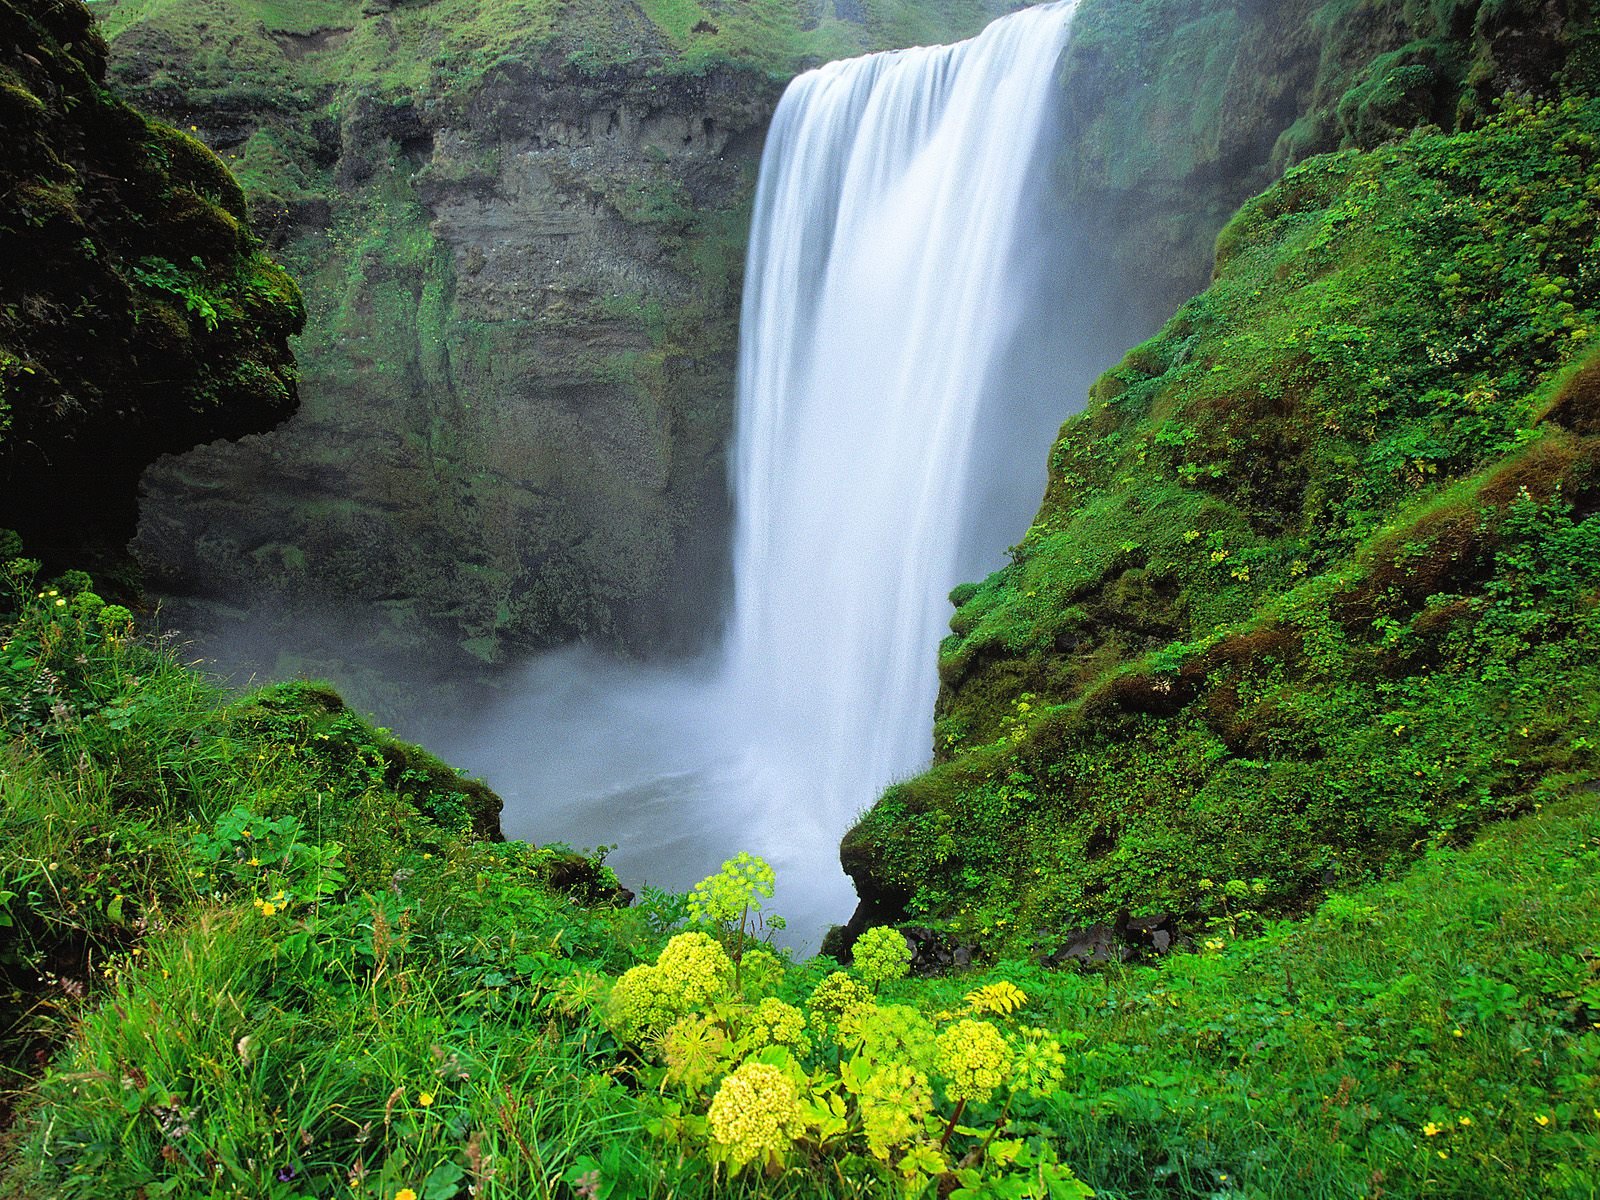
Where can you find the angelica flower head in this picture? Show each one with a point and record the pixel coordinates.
(1040, 1064)
(755, 1114)
(895, 1033)
(974, 1060)
(774, 1023)
(739, 887)
(881, 955)
(835, 994)
(692, 970)
(638, 1006)
(696, 1052)
(695, 967)
(893, 1103)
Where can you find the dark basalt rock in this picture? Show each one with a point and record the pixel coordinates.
(934, 952)
(1124, 939)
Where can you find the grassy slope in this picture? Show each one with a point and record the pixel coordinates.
(1313, 582)
(464, 37)
(283, 967)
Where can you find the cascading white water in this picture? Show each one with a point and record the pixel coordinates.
(891, 263)
(879, 294)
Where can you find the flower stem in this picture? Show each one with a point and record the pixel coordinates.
(961, 1107)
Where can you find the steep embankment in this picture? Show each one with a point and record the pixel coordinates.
(520, 228)
(138, 316)
(1313, 583)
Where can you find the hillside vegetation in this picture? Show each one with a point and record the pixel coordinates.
(1313, 583)
(266, 952)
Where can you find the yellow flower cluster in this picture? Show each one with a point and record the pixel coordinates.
(775, 1023)
(893, 1102)
(974, 1059)
(881, 955)
(637, 1007)
(891, 1033)
(834, 996)
(691, 970)
(695, 967)
(732, 891)
(755, 1114)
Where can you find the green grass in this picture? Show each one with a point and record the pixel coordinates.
(265, 955)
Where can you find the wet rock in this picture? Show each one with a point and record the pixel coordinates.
(1125, 939)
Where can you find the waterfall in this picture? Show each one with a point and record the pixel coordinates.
(895, 378)
(881, 291)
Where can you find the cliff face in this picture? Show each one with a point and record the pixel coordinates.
(137, 315)
(521, 231)
(1313, 584)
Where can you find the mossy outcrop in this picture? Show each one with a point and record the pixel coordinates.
(138, 315)
(1176, 111)
(1314, 583)
(521, 232)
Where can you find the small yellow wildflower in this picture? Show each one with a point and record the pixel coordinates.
(1458, 1033)
(426, 1099)
(1543, 1119)
(1442, 1154)
(1466, 1120)
(1432, 1130)
(405, 1194)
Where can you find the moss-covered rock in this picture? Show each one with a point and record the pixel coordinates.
(315, 714)
(1314, 583)
(138, 316)
(1178, 110)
